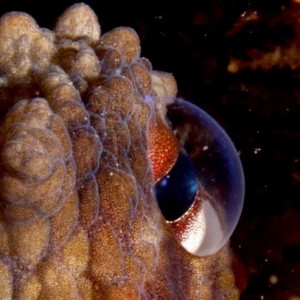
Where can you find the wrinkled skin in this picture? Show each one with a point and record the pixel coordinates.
(78, 219)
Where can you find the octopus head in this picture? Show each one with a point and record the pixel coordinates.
(110, 187)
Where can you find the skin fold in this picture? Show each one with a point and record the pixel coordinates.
(78, 217)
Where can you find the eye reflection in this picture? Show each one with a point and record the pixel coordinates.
(201, 198)
(176, 191)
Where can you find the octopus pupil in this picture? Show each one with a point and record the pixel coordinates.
(175, 193)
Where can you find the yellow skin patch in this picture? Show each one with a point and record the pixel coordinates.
(78, 219)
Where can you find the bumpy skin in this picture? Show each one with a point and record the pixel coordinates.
(78, 219)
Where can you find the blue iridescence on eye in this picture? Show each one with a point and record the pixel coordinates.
(176, 191)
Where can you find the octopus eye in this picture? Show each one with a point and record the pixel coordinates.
(202, 196)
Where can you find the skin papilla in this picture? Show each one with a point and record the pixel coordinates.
(78, 218)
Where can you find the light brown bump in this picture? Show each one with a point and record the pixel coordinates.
(125, 289)
(12, 117)
(42, 195)
(77, 22)
(142, 78)
(86, 65)
(125, 40)
(6, 283)
(119, 87)
(30, 288)
(57, 281)
(103, 240)
(121, 104)
(117, 189)
(61, 94)
(164, 84)
(29, 242)
(86, 151)
(142, 114)
(4, 239)
(22, 159)
(58, 89)
(60, 131)
(19, 34)
(52, 79)
(85, 288)
(111, 60)
(146, 62)
(37, 114)
(139, 161)
(97, 101)
(117, 144)
(64, 221)
(88, 202)
(75, 253)
(20, 214)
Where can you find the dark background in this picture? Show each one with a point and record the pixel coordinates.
(258, 108)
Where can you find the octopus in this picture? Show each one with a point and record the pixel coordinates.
(81, 152)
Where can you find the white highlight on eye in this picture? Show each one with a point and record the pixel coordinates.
(204, 233)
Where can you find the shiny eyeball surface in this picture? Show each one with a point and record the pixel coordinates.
(202, 196)
(177, 190)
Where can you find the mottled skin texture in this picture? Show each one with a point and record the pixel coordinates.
(78, 219)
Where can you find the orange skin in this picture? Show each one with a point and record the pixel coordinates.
(163, 148)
